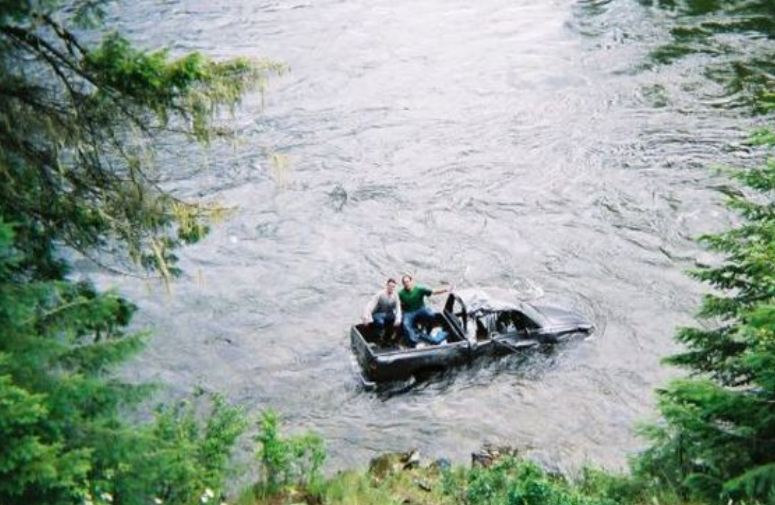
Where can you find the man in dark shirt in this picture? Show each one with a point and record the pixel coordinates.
(383, 309)
(415, 311)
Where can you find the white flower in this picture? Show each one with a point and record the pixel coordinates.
(157, 500)
(207, 495)
(107, 497)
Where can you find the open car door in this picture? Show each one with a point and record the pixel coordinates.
(455, 312)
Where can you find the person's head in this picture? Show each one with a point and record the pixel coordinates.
(407, 282)
(390, 285)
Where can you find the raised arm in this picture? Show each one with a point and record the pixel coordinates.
(443, 289)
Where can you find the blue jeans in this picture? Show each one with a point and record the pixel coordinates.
(382, 320)
(411, 319)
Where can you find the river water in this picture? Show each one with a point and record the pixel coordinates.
(524, 144)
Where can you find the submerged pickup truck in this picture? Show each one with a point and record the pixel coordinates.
(477, 324)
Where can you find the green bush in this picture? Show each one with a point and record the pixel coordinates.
(287, 461)
(179, 458)
(63, 418)
(520, 482)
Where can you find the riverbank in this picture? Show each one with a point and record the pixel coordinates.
(496, 475)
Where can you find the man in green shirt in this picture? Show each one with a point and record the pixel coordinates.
(415, 311)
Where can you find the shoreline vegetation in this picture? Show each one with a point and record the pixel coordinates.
(290, 474)
(78, 125)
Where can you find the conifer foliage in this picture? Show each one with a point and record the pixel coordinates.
(717, 441)
(78, 126)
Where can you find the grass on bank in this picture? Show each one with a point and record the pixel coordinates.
(510, 481)
(290, 474)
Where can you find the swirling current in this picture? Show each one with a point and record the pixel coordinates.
(523, 144)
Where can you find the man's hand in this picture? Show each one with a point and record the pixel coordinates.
(446, 289)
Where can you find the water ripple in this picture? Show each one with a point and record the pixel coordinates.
(528, 145)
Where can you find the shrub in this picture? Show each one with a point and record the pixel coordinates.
(286, 461)
(520, 482)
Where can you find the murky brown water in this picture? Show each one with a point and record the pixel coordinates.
(509, 143)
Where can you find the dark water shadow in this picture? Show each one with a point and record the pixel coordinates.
(526, 366)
